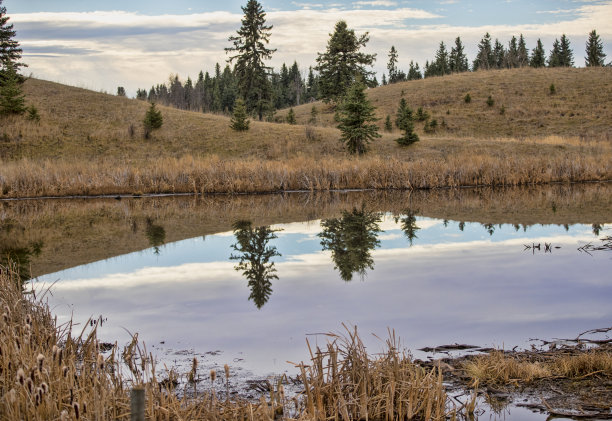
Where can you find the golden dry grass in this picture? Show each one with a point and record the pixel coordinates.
(499, 368)
(580, 107)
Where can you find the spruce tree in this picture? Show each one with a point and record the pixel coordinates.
(388, 124)
(313, 115)
(538, 58)
(10, 53)
(291, 117)
(239, 121)
(499, 55)
(392, 66)
(342, 63)
(12, 100)
(511, 60)
(356, 116)
(250, 48)
(458, 60)
(523, 55)
(404, 123)
(441, 65)
(554, 58)
(566, 56)
(594, 51)
(153, 120)
(312, 85)
(414, 73)
(484, 58)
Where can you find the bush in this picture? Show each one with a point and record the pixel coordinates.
(313, 115)
(490, 101)
(291, 117)
(431, 126)
(388, 125)
(502, 110)
(552, 89)
(467, 98)
(421, 114)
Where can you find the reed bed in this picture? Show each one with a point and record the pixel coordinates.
(344, 382)
(214, 175)
(499, 368)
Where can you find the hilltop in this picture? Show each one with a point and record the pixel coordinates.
(540, 137)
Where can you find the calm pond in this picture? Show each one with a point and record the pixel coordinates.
(244, 280)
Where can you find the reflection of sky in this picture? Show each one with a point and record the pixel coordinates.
(450, 286)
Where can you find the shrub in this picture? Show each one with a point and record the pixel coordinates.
(467, 98)
(551, 89)
(502, 110)
(388, 125)
(490, 101)
(313, 115)
(291, 117)
(33, 114)
(421, 115)
(431, 126)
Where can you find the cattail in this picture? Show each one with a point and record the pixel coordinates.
(28, 320)
(20, 376)
(12, 396)
(100, 363)
(37, 399)
(76, 410)
(84, 407)
(44, 387)
(64, 415)
(39, 395)
(71, 396)
(227, 371)
(54, 352)
(18, 344)
(213, 375)
(29, 384)
(65, 371)
(41, 360)
(5, 317)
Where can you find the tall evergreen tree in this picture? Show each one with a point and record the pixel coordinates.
(356, 117)
(566, 54)
(442, 65)
(538, 58)
(392, 66)
(554, 58)
(458, 60)
(523, 55)
(239, 121)
(484, 58)
(342, 62)
(511, 60)
(251, 51)
(499, 55)
(594, 51)
(10, 53)
(414, 72)
(312, 85)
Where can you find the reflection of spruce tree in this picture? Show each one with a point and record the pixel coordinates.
(409, 226)
(597, 229)
(156, 235)
(350, 239)
(19, 258)
(254, 257)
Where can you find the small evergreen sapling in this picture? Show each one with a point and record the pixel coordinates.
(12, 99)
(551, 89)
(388, 125)
(153, 120)
(356, 116)
(467, 98)
(404, 113)
(291, 117)
(421, 114)
(313, 115)
(239, 121)
(33, 114)
(404, 122)
(490, 101)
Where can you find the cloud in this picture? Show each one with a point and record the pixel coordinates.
(375, 3)
(101, 50)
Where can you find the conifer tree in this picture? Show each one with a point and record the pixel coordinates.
(523, 56)
(388, 125)
(10, 53)
(414, 73)
(538, 58)
(392, 66)
(566, 54)
(458, 60)
(313, 115)
(554, 58)
(342, 63)
(291, 117)
(312, 85)
(251, 51)
(499, 55)
(441, 64)
(511, 58)
(594, 51)
(404, 123)
(239, 121)
(12, 100)
(484, 58)
(356, 116)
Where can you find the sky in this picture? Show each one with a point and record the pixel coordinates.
(101, 45)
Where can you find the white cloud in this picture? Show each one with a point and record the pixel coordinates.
(375, 3)
(101, 50)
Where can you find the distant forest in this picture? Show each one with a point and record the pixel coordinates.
(218, 92)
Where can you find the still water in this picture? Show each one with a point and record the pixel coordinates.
(249, 292)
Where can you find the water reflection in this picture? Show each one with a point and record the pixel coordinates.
(18, 258)
(156, 234)
(408, 224)
(255, 259)
(351, 238)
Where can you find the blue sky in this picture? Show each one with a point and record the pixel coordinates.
(101, 45)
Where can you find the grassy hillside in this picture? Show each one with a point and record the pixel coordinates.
(92, 143)
(581, 105)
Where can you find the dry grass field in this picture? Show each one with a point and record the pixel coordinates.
(92, 143)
